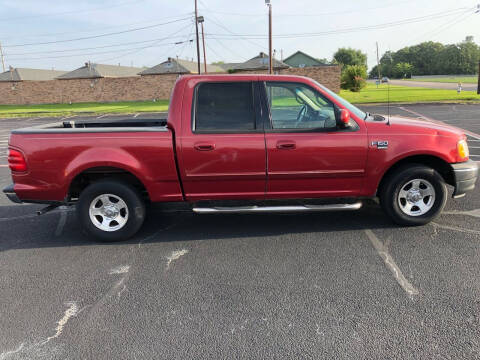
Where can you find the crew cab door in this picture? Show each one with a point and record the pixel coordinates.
(308, 154)
(222, 143)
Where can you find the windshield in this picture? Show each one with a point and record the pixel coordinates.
(352, 108)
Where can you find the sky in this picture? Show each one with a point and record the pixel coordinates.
(63, 35)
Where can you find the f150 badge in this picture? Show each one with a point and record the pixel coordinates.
(380, 144)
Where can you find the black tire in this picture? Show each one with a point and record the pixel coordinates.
(389, 194)
(130, 196)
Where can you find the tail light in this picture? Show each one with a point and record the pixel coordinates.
(16, 161)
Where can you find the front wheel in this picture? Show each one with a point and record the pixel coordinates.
(413, 195)
(111, 210)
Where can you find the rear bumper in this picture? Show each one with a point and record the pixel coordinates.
(11, 195)
(466, 175)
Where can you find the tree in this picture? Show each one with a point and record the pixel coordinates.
(353, 77)
(323, 61)
(432, 58)
(386, 66)
(349, 56)
(402, 70)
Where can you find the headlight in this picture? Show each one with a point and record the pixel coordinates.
(462, 148)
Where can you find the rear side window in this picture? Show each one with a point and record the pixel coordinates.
(224, 107)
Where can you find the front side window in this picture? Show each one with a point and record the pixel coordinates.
(297, 106)
(224, 107)
(352, 108)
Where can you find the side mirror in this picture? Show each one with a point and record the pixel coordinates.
(344, 118)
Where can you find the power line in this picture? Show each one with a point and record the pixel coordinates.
(212, 50)
(185, 43)
(145, 47)
(219, 24)
(230, 50)
(341, 12)
(442, 27)
(453, 24)
(99, 28)
(70, 12)
(98, 36)
(155, 43)
(95, 53)
(347, 30)
(90, 48)
(240, 37)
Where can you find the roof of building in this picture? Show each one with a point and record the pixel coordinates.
(93, 71)
(286, 60)
(260, 62)
(228, 66)
(179, 66)
(24, 74)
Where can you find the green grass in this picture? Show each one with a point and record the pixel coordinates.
(404, 94)
(453, 79)
(83, 108)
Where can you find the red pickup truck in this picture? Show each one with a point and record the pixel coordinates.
(241, 143)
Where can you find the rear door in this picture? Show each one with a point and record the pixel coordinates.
(308, 154)
(222, 141)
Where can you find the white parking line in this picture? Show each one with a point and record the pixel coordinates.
(390, 263)
(135, 115)
(469, 133)
(454, 228)
(415, 113)
(67, 117)
(101, 116)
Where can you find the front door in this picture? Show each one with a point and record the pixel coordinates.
(223, 151)
(308, 154)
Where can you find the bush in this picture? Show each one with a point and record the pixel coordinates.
(353, 77)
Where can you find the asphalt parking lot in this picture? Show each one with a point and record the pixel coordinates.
(328, 285)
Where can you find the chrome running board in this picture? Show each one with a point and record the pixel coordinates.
(273, 209)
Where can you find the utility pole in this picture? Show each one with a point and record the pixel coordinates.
(478, 86)
(269, 4)
(378, 63)
(198, 40)
(1, 55)
(201, 20)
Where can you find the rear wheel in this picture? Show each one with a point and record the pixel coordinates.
(413, 195)
(111, 210)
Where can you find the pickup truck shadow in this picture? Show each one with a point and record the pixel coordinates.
(22, 229)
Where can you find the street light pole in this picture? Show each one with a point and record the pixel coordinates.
(378, 63)
(201, 20)
(478, 86)
(270, 67)
(198, 40)
(1, 55)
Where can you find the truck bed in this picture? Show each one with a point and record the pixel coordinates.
(57, 153)
(98, 125)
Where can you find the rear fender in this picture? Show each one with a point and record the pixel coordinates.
(111, 157)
